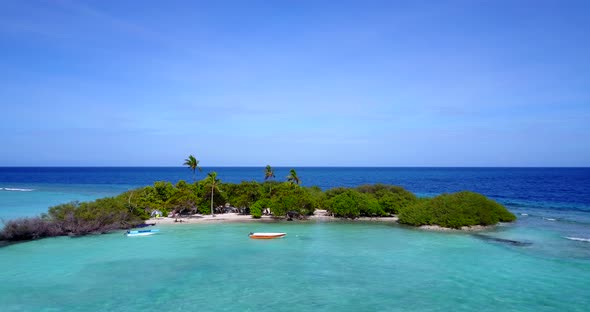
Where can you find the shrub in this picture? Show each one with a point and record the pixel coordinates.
(256, 210)
(456, 210)
(289, 198)
(183, 201)
(59, 212)
(28, 229)
(74, 218)
(335, 191)
(164, 190)
(352, 204)
(242, 195)
(391, 198)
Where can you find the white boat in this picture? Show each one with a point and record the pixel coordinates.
(141, 232)
(266, 235)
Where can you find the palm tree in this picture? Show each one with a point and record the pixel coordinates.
(193, 164)
(269, 173)
(293, 178)
(214, 181)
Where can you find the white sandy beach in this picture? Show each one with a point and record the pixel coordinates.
(319, 215)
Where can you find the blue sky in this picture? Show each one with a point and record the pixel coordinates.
(295, 83)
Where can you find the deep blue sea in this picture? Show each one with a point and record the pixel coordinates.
(318, 266)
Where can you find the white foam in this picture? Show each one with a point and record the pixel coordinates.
(18, 189)
(524, 214)
(578, 239)
(549, 219)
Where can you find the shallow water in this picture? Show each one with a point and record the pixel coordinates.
(318, 266)
(30, 199)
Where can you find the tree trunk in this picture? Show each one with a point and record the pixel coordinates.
(212, 190)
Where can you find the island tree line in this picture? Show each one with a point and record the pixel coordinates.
(212, 196)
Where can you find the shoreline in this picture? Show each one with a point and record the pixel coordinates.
(319, 216)
(236, 218)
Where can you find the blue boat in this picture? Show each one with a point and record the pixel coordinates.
(141, 232)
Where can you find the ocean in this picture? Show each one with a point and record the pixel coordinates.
(320, 266)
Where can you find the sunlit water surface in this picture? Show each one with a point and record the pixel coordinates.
(317, 266)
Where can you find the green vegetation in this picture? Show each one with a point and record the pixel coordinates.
(74, 219)
(269, 173)
(391, 198)
(257, 207)
(293, 178)
(280, 199)
(375, 200)
(212, 181)
(455, 211)
(353, 204)
(193, 164)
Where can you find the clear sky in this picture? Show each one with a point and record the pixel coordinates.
(295, 83)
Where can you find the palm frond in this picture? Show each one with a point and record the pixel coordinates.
(269, 172)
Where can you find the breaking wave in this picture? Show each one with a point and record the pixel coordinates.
(578, 239)
(11, 189)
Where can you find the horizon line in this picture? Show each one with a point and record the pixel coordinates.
(313, 166)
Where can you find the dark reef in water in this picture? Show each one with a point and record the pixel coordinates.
(502, 240)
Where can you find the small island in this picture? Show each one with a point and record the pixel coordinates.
(272, 199)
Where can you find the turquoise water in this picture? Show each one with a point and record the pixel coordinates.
(318, 266)
(28, 199)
